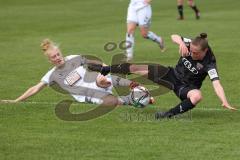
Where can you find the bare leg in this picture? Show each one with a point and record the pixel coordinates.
(194, 7)
(110, 101)
(180, 2)
(195, 96)
(139, 69)
(131, 27)
(180, 9)
(152, 36)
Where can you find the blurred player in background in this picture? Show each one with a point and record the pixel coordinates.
(191, 4)
(139, 14)
(71, 75)
(185, 79)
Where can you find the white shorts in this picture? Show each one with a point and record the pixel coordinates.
(141, 16)
(96, 98)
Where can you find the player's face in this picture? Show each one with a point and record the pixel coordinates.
(196, 52)
(55, 57)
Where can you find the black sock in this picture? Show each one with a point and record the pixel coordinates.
(195, 8)
(123, 68)
(105, 70)
(184, 106)
(180, 10)
(94, 67)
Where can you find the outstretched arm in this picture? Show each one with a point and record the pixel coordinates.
(221, 95)
(183, 50)
(30, 92)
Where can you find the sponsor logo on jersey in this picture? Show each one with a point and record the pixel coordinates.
(199, 66)
(189, 66)
(73, 77)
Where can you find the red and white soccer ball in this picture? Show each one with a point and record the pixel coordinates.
(140, 96)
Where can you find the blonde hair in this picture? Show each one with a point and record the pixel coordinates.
(47, 45)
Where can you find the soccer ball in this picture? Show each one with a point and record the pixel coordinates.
(140, 97)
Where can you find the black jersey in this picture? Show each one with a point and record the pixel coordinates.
(193, 72)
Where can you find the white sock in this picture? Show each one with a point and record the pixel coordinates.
(153, 37)
(129, 45)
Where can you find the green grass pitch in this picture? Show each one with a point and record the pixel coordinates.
(32, 131)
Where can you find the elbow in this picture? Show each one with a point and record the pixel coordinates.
(34, 89)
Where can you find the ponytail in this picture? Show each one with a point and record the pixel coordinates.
(46, 45)
(201, 41)
(203, 35)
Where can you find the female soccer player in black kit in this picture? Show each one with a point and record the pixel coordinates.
(191, 4)
(185, 79)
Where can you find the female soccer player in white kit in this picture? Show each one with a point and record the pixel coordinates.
(139, 14)
(70, 74)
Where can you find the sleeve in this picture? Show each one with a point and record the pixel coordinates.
(118, 81)
(46, 78)
(81, 58)
(212, 72)
(187, 42)
(89, 59)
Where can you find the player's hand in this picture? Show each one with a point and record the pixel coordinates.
(8, 101)
(103, 82)
(183, 50)
(227, 106)
(133, 84)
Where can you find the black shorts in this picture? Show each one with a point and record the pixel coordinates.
(166, 77)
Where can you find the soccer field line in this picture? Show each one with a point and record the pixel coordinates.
(76, 103)
(37, 102)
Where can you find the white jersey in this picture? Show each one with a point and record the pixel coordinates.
(77, 81)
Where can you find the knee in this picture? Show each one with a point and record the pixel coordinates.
(190, 3)
(131, 27)
(110, 101)
(144, 34)
(180, 2)
(195, 96)
(131, 30)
